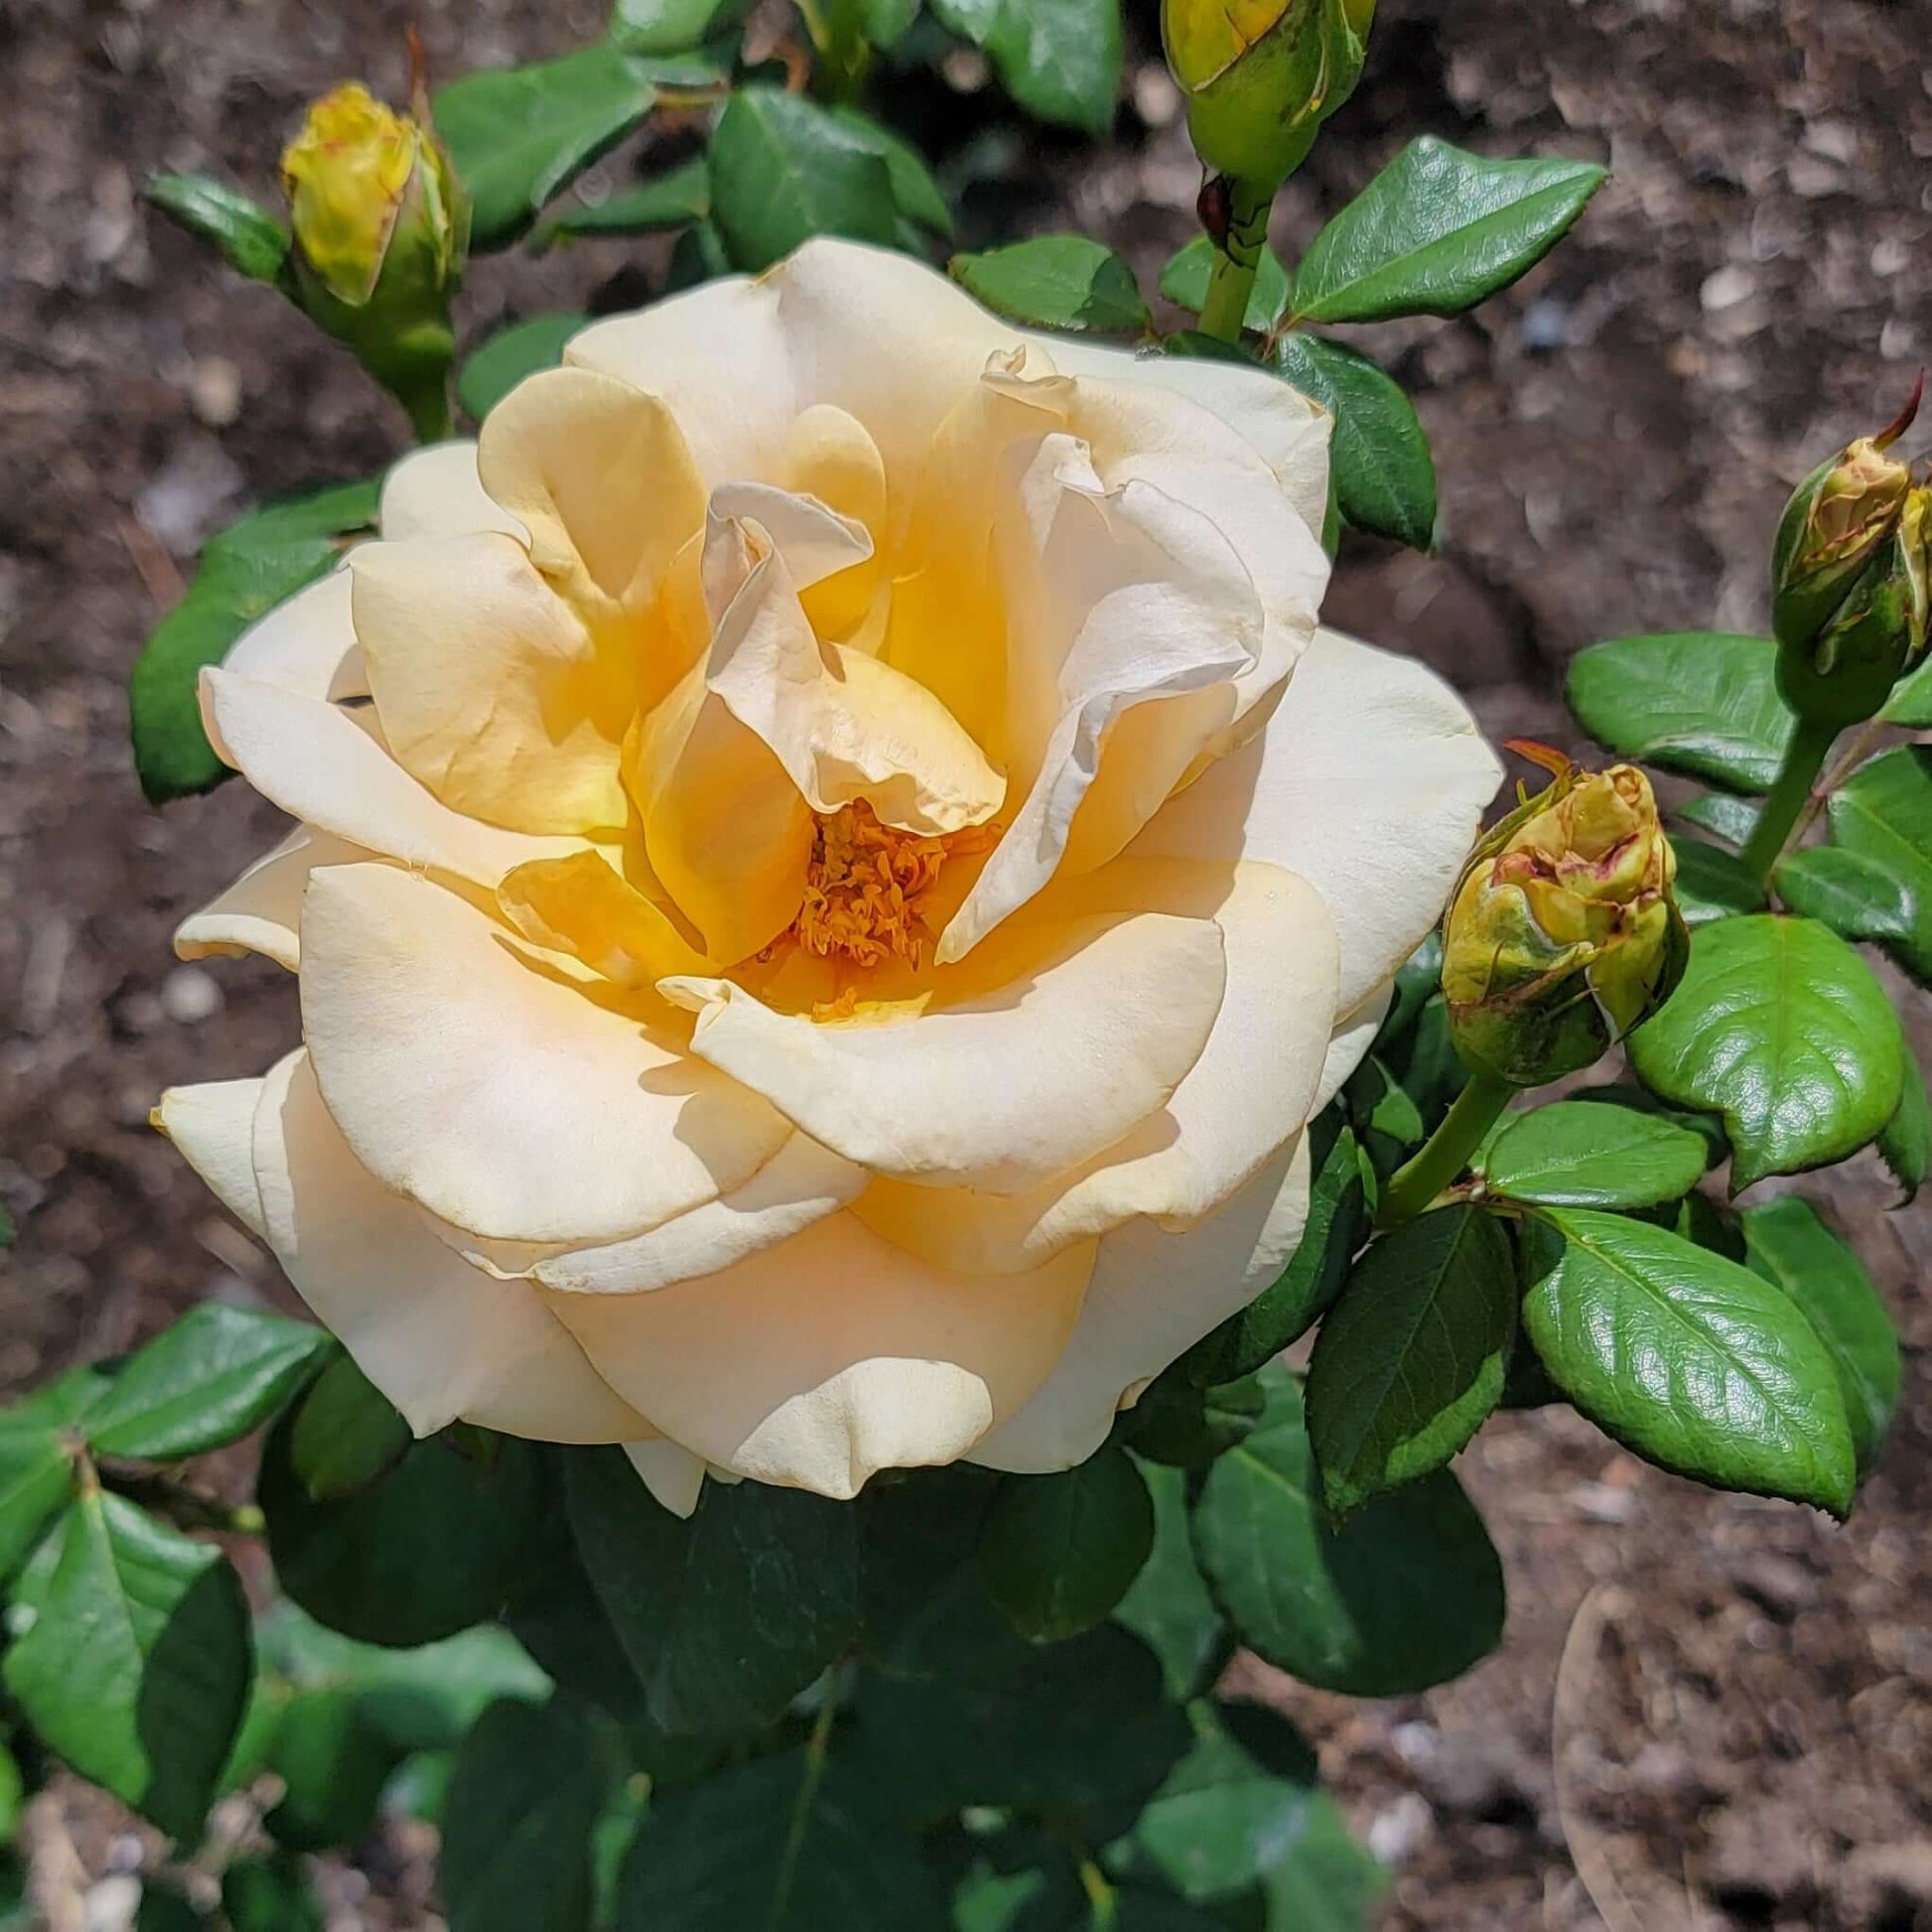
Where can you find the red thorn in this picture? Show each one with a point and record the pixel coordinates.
(1887, 437)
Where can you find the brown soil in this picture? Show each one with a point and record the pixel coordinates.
(1739, 1731)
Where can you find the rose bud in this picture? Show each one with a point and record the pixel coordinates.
(1563, 935)
(381, 230)
(1260, 77)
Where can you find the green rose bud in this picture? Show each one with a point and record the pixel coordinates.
(1260, 77)
(1563, 934)
(382, 232)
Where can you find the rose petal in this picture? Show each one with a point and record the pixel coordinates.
(261, 913)
(212, 1127)
(306, 645)
(437, 493)
(581, 906)
(673, 1475)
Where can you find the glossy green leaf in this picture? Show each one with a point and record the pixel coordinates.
(1385, 476)
(1786, 1243)
(1702, 703)
(1712, 885)
(1061, 281)
(672, 200)
(37, 1474)
(216, 1375)
(1080, 1731)
(1583, 1154)
(347, 1434)
(136, 1664)
(1780, 1027)
(428, 1548)
(786, 1843)
(1061, 60)
(724, 1617)
(1188, 1427)
(1719, 813)
(1874, 879)
(518, 135)
(1906, 1143)
(672, 26)
(248, 570)
(1692, 1360)
(1289, 1306)
(333, 1764)
(249, 237)
(1436, 231)
(1910, 703)
(1186, 278)
(698, 255)
(1407, 1593)
(888, 22)
(784, 169)
(517, 1820)
(1059, 1551)
(1410, 1359)
(917, 1532)
(915, 193)
(491, 373)
(1167, 1606)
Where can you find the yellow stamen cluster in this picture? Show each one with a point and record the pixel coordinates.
(868, 885)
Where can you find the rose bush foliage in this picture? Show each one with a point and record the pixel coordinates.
(834, 864)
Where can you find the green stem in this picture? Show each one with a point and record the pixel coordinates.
(817, 1746)
(1104, 1907)
(186, 1508)
(1236, 258)
(1447, 1152)
(1804, 759)
(428, 404)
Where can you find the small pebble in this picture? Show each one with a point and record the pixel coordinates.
(110, 1905)
(214, 391)
(189, 996)
(1398, 1830)
(1727, 288)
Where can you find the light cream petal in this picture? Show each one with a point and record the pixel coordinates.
(600, 475)
(815, 540)
(818, 1362)
(261, 912)
(440, 1340)
(673, 1475)
(507, 1101)
(1288, 431)
(318, 764)
(1349, 1046)
(489, 689)
(1072, 1032)
(1370, 782)
(213, 1128)
(306, 645)
(437, 493)
(1253, 1086)
(1114, 598)
(582, 906)
(1153, 1295)
(801, 1184)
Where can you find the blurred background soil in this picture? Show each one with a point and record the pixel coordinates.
(1711, 1712)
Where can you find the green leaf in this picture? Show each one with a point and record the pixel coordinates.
(917, 1534)
(516, 1821)
(1289, 1308)
(162, 1910)
(1061, 281)
(1436, 231)
(428, 1548)
(784, 169)
(724, 1617)
(1385, 476)
(1186, 278)
(1059, 1551)
(1780, 1026)
(270, 1894)
(216, 1376)
(1712, 885)
(1407, 1593)
(1704, 703)
(1583, 1154)
(333, 1764)
(247, 571)
(1188, 1427)
(888, 22)
(1692, 1360)
(788, 1844)
(518, 135)
(36, 1479)
(1910, 703)
(672, 26)
(1906, 1143)
(346, 1435)
(679, 195)
(1167, 1606)
(491, 373)
(1787, 1244)
(249, 237)
(1410, 1359)
(698, 255)
(135, 1667)
(1875, 881)
(1058, 58)
(915, 193)
(1730, 819)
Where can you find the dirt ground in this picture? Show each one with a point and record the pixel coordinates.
(1711, 1712)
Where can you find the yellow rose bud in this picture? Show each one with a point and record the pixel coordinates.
(1261, 75)
(1563, 934)
(346, 175)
